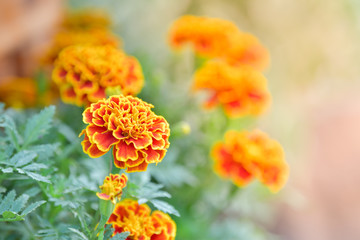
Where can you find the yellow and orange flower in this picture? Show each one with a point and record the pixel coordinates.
(208, 36)
(244, 156)
(240, 90)
(83, 72)
(23, 93)
(139, 136)
(68, 37)
(128, 215)
(112, 187)
(246, 49)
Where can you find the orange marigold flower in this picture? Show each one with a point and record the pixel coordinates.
(68, 37)
(23, 93)
(139, 136)
(240, 90)
(244, 156)
(208, 36)
(245, 49)
(112, 187)
(83, 72)
(128, 215)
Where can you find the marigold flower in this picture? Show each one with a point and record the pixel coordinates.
(128, 215)
(83, 72)
(245, 49)
(139, 136)
(112, 187)
(208, 36)
(67, 37)
(244, 156)
(240, 90)
(23, 93)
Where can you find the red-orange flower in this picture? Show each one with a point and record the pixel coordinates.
(245, 49)
(240, 90)
(68, 37)
(112, 187)
(244, 156)
(128, 215)
(139, 136)
(208, 36)
(83, 72)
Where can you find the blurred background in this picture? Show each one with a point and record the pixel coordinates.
(313, 77)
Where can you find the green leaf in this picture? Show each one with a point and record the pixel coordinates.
(45, 151)
(11, 216)
(121, 236)
(11, 130)
(109, 230)
(7, 170)
(34, 167)
(37, 177)
(38, 125)
(32, 207)
(19, 203)
(165, 207)
(7, 201)
(22, 158)
(80, 234)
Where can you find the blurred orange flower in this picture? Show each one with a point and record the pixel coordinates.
(67, 37)
(23, 93)
(245, 49)
(83, 72)
(128, 215)
(240, 90)
(244, 156)
(208, 36)
(112, 187)
(139, 136)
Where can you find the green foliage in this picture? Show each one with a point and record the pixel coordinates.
(10, 207)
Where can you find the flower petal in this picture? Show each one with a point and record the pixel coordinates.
(142, 142)
(125, 152)
(139, 168)
(104, 140)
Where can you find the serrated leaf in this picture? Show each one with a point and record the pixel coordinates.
(32, 207)
(7, 201)
(38, 125)
(19, 203)
(34, 166)
(165, 207)
(11, 216)
(108, 231)
(121, 236)
(80, 234)
(11, 130)
(22, 158)
(45, 151)
(37, 177)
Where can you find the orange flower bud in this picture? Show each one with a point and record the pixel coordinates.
(112, 187)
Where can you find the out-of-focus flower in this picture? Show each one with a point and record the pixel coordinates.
(139, 136)
(128, 215)
(240, 90)
(247, 155)
(86, 19)
(112, 187)
(83, 72)
(68, 37)
(245, 49)
(23, 93)
(208, 36)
